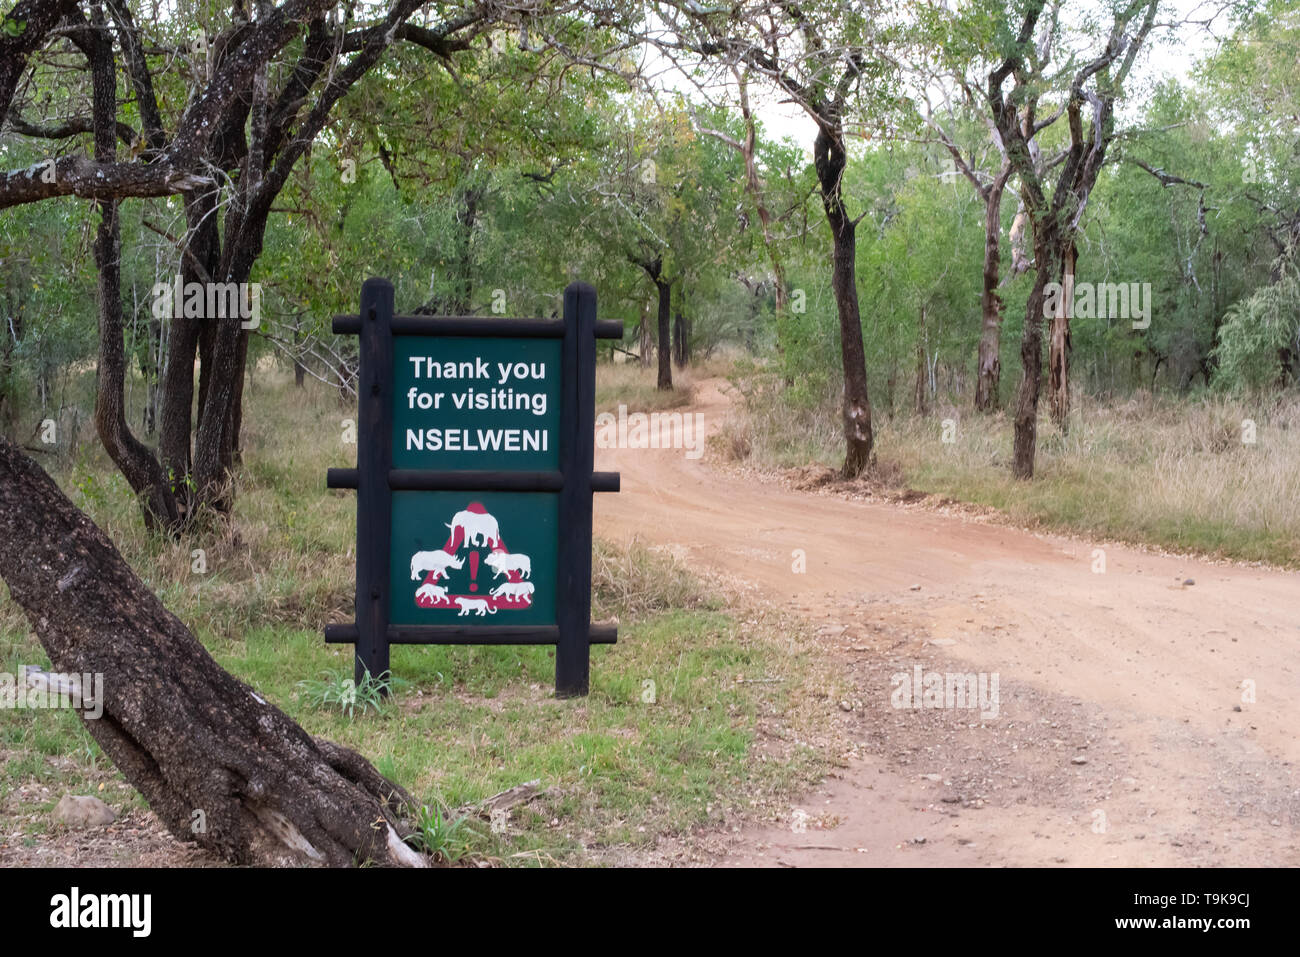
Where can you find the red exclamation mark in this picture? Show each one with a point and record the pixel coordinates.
(473, 571)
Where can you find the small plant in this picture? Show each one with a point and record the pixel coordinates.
(441, 836)
(91, 756)
(336, 688)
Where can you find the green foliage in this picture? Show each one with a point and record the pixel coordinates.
(487, 182)
(1259, 330)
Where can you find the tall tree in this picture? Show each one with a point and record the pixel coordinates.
(828, 58)
(1054, 208)
(990, 182)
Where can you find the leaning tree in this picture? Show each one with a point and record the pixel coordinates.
(218, 764)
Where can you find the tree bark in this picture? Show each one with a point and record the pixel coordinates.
(1048, 257)
(665, 289)
(461, 297)
(1055, 221)
(645, 343)
(218, 765)
(654, 268)
(188, 338)
(11, 335)
(234, 451)
(1058, 361)
(681, 342)
(989, 373)
(829, 158)
(299, 366)
(227, 174)
(213, 440)
(150, 362)
(135, 461)
(39, 18)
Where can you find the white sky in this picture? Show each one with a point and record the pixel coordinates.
(1168, 54)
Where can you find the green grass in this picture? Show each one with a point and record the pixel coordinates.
(631, 761)
(665, 742)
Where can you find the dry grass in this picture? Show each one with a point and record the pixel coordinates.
(634, 386)
(641, 581)
(1149, 469)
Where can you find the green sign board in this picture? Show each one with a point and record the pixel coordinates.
(482, 558)
(479, 403)
(474, 481)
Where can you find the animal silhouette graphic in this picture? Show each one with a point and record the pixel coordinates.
(503, 563)
(514, 590)
(436, 561)
(480, 606)
(479, 528)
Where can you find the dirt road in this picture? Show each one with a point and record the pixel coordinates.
(1125, 733)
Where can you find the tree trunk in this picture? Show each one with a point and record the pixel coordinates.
(830, 159)
(645, 342)
(234, 451)
(665, 382)
(1058, 359)
(177, 407)
(187, 339)
(989, 373)
(1031, 360)
(460, 298)
(150, 368)
(213, 441)
(681, 342)
(217, 764)
(135, 461)
(299, 370)
(11, 335)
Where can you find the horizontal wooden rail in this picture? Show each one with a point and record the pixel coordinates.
(477, 326)
(470, 635)
(471, 481)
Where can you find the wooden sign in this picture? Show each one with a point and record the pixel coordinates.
(475, 448)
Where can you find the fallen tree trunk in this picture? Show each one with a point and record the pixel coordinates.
(218, 765)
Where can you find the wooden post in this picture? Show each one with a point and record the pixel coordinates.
(374, 459)
(577, 459)
(375, 480)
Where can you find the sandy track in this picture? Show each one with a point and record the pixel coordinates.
(1117, 740)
